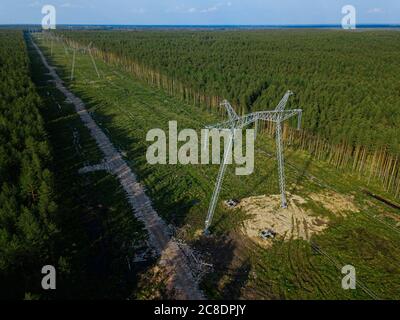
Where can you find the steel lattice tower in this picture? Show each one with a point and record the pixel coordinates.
(83, 50)
(49, 36)
(278, 116)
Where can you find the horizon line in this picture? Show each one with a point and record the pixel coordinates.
(200, 25)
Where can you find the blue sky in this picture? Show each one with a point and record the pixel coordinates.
(200, 11)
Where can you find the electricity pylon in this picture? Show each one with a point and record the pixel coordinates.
(235, 122)
(75, 48)
(83, 50)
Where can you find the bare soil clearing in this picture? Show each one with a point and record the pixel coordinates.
(295, 222)
(336, 203)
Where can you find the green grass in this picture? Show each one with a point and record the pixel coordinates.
(126, 109)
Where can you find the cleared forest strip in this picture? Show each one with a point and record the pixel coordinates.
(180, 282)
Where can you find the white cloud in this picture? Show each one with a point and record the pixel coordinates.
(138, 10)
(211, 9)
(70, 5)
(216, 7)
(35, 4)
(375, 10)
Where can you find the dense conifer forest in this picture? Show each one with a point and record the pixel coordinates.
(347, 83)
(27, 207)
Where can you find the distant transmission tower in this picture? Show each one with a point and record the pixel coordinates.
(83, 50)
(277, 116)
(49, 36)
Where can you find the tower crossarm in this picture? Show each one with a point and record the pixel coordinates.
(272, 116)
(276, 116)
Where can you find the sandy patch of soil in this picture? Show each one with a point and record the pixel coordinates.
(291, 223)
(336, 203)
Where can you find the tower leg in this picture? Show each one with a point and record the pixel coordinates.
(73, 65)
(217, 189)
(65, 48)
(281, 168)
(94, 64)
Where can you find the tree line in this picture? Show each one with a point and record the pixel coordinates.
(27, 207)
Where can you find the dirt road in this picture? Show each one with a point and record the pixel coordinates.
(180, 280)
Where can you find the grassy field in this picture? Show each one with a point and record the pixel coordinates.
(369, 240)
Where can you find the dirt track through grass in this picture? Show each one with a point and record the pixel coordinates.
(180, 280)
